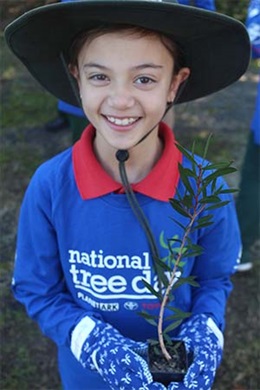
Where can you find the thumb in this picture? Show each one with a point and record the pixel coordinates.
(157, 386)
(177, 386)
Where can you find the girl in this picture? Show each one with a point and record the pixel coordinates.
(82, 254)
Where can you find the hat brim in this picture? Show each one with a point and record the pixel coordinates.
(216, 47)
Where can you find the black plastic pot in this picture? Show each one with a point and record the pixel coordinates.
(166, 372)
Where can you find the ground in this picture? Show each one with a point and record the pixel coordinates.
(28, 359)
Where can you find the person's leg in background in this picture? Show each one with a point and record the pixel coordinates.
(77, 124)
(57, 124)
(248, 201)
(69, 117)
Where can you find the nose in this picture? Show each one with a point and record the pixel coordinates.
(120, 98)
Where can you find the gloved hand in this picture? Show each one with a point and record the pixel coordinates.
(116, 358)
(203, 338)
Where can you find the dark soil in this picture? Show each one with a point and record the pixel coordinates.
(164, 371)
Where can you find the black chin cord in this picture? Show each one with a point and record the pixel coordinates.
(122, 156)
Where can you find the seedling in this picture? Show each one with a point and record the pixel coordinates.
(202, 193)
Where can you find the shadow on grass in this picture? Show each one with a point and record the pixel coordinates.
(28, 358)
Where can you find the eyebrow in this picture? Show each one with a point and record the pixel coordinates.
(138, 67)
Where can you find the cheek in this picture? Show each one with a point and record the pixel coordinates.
(88, 107)
(158, 101)
(172, 90)
(92, 104)
(88, 97)
(155, 107)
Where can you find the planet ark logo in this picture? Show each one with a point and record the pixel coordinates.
(104, 306)
(89, 273)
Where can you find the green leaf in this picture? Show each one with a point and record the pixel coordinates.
(164, 266)
(187, 201)
(179, 311)
(219, 165)
(161, 274)
(196, 247)
(201, 225)
(229, 191)
(210, 199)
(207, 218)
(179, 314)
(178, 223)
(181, 264)
(153, 341)
(193, 253)
(172, 260)
(172, 326)
(151, 289)
(148, 317)
(189, 280)
(189, 172)
(167, 338)
(186, 153)
(207, 146)
(218, 205)
(174, 240)
(194, 147)
(180, 250)
(176, 205)
(185, 179)
(213, 185)
(218, 173)
(218, 190)
(151, 322)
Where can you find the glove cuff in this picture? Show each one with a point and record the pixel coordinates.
(79, 335)
(217, 332)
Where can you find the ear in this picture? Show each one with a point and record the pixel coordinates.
(177, 80)
(73, 69)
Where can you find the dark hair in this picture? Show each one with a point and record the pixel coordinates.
(90, 34)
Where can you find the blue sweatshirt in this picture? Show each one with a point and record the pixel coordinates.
(81, 251)
(206, 4)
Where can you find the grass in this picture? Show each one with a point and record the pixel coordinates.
(22, 97)
(28, 360)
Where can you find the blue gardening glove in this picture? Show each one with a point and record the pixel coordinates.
(98, 346)
(204, 340)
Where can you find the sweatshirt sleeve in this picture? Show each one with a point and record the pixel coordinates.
(38, 280)
(206, 4)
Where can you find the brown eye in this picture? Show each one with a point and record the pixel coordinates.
(144, 80)
(99, 77)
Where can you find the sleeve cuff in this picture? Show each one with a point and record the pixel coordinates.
(79, 335)
(211, 324)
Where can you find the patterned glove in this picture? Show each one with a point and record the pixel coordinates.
(203, 338)
(99, 346)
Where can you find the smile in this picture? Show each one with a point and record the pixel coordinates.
(121, 122)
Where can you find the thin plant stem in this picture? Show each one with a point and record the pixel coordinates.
(166, 295)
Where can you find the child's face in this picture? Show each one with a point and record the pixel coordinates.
(125, 82)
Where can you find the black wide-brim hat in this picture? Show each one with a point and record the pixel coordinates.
(216, 47)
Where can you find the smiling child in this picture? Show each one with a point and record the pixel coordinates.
(82, 253)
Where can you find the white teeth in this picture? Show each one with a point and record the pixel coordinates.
(121, 122)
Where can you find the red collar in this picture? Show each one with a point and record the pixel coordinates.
(93, 181)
